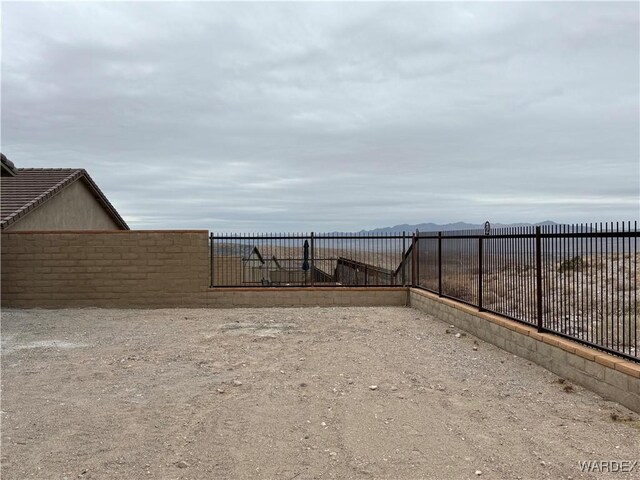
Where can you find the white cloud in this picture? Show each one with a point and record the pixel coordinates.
(279, 116)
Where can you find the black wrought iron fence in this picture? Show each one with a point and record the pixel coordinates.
(578, 281)
(308, 259)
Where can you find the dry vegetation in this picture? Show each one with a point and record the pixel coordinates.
(592, 297)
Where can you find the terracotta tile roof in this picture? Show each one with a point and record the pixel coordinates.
(30, 187)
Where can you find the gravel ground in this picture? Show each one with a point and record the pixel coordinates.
(288, 393)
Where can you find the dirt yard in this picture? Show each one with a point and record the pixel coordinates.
(287, 393)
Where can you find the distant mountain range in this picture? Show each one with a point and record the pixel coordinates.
(434, 227)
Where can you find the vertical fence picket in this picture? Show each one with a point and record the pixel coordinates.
(211, 271)
(414, 260)
(313, 263)
(539, 278)
(440, 264)
(403, 261)
(480, 273)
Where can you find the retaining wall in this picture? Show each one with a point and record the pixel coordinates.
(307, 297)
(611, 377)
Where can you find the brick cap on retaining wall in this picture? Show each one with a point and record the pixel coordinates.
(625, 366)
(307, 289)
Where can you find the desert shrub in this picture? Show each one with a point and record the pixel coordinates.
(575, 263)
(617, 328)
(494, 285)
(524, 268)
(458, 289)
(489, 298)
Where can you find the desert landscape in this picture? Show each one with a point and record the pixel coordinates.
(287, 393)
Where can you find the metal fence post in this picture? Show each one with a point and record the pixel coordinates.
(413, 260)
(313, 259)
(404, 280)
(439, 264)
(211, 255)
(417, 257)
(480, 255)
(539, 278)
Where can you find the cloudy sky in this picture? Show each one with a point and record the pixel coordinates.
(332, 116)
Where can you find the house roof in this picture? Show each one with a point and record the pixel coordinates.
(29, 188)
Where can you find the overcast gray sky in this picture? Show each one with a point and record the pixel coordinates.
(333, 116)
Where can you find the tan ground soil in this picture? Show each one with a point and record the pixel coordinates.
(149, 394)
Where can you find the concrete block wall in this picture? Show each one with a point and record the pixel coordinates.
(307, 297)
(609, 376)
(147, 269)
(143, 269)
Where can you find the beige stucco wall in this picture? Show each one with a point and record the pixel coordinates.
(74, 208)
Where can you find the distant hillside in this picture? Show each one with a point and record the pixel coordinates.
(434, 227)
